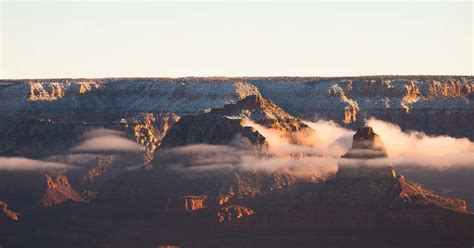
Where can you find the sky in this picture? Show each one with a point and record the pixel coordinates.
(228, 38)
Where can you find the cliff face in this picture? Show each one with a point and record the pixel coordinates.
(8, 212)
(194, 203)
(110, 100)
(366, 179)
(220, 126)
(149, 130)
(200, 129)
(37, 137)
(234, 213)
(433, 104)
(367, 158)
(59, 190)
(391, 194)
(104, 164)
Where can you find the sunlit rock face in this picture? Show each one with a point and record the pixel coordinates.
(59, 190)
(432, 104)
(367, 158)
(367, 179)
(222, 125)
(234, 213)
(102, 100)
(366, 144)
(8, 212)
(351, 107)
(52, 92)
(193, 203)
(149, 129)
(104, 164)
(200, 129)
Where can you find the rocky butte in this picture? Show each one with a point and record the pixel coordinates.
(367, 179)
(221, 125)
(366, 196)
(367, 158)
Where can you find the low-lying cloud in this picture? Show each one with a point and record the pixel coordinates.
(418, 149)
(107, 140)
(201, 159)
(79, 159)
(25, 164)
(315, 155)
(304, 154)
(325, 139)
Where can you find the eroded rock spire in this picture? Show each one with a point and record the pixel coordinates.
(367, 158)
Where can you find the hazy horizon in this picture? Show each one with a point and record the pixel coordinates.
(234, 39)
(232, 77)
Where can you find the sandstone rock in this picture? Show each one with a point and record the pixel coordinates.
(234, 213)
(59, 190)
(104, 164)
(149, 129)
(366, 158)
(387, 193)
(193, 203)
(8, 212)
(366, 179)
(432, 104)
(37, 137)
(220, 126)
(202, 129)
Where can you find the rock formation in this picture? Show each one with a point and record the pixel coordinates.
(59, 190)
(367, 158)
(432, 104)
(39, 93)
(366, 179)
(149, 130)
(178, 204)
(220, 126)
(233, 213)
(8, 212)
(38, 137)
(193, 203)
(104, 164)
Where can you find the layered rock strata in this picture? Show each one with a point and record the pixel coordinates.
(432, 104)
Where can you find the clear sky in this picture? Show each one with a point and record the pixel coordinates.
(172, 39)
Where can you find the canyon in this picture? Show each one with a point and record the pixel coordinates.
(439, 105)
(234, 162)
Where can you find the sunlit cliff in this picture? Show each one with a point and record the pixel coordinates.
(424, 103)
(59, 190)
(8, 212)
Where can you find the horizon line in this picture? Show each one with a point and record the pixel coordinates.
(236, 77)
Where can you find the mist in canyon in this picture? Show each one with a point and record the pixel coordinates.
(315, 155)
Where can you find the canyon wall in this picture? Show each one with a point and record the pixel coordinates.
(107, 99)
(433, 104)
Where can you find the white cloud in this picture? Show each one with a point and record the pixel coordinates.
(25, 164)
(316, 155)
(419, 149)
(107, 140)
